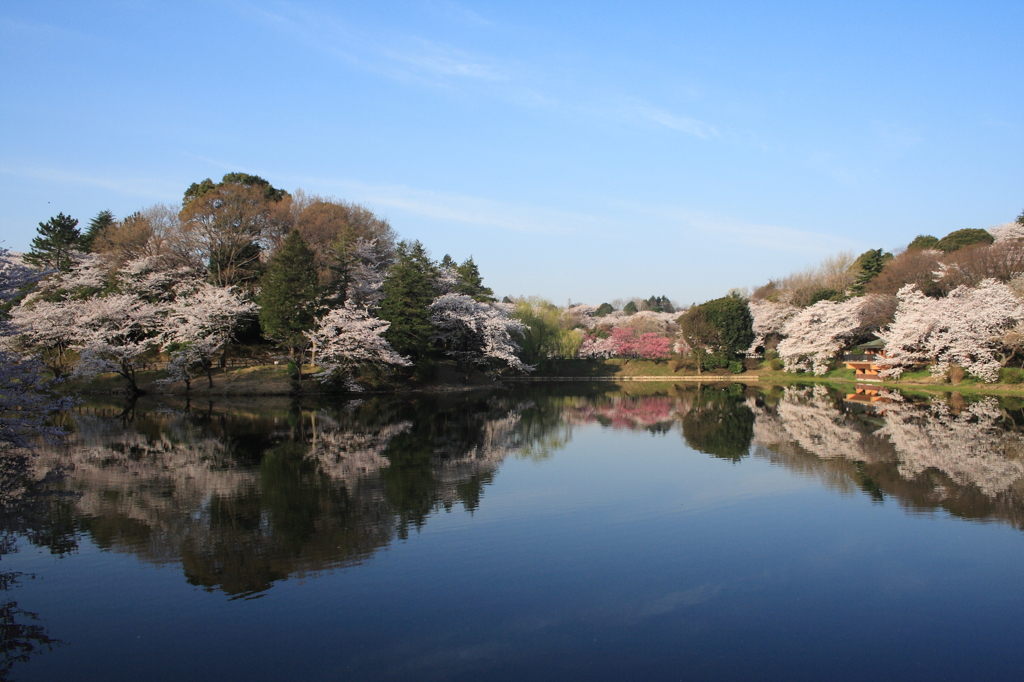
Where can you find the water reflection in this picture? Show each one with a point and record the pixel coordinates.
(32, 509)
(242, 496)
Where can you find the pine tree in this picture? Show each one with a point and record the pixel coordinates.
(408, 293)
(58, 237)
(98, 224)
(471, 283)
(289, 295)
(871, 263)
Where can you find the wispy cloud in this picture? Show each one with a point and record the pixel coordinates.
(615, 218)
(424, 56)
(683, 124)
(461, 208)
(777, 238)
(430, 63)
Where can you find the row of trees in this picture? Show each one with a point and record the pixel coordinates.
(241, 258)
(941, 303)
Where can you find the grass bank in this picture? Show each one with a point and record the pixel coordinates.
(274, 380)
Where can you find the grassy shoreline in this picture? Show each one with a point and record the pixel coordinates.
(274, 380)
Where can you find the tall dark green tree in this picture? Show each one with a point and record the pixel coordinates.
(471, 283)
(408, 291)
(100, 222)
(869, 266)
(289, 293)
(52, 248)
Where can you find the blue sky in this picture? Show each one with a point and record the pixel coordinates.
(583, 151)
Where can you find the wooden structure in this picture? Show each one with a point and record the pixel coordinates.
(865, 362)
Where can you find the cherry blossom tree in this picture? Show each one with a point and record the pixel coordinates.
(50, 329)
(155, 278)
(87, 274)
(25, 400)
(594, 347)
(347, 338)
(964, 328)
(369, 262)
(769, 319)
(817, 333)
(476, 334)
(1007, 231)
(116, 331)
(199, 323)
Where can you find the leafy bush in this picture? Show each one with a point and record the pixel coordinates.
(826, 295)
(966, 237)
(1011, 375)
(777, 364)
(923, 241)
(736, 367)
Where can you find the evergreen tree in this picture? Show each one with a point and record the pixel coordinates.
(730, 315)
(723, 327)
(289, 294)
(923, 241)
(58, 237)
(630, 308)
(870, 264)
(408, 293)
(471, 283)
(98, 224)
(603, 310)
(660, 304)
(958, 239)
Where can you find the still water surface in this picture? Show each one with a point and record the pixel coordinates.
(549, 534)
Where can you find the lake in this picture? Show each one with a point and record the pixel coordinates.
(654, 532)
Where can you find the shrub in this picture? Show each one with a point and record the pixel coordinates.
(736, 367)
(1011, 375)
(777, 364)
(956, 374)
(961, 238)
(923, 241)
(826, 295)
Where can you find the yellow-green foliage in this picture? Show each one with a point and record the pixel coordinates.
(542, 336)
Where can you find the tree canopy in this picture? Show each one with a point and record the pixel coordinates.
(100, 222)
(289, 293)
(960, 238)
(409, 288)
(57, 239)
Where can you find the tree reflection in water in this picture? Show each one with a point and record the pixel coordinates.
(242, 496)
(32, 508)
